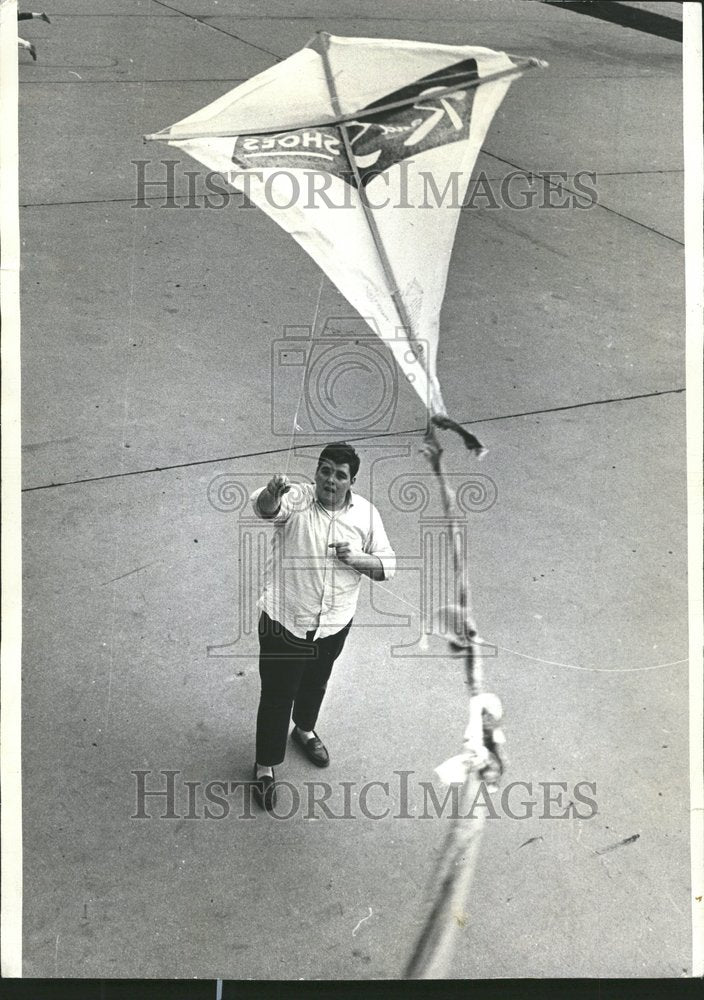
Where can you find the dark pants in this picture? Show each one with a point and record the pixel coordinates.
(294, 674)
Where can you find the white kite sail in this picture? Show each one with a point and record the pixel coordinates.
(362, 149)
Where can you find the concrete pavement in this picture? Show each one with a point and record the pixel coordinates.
(147, 374)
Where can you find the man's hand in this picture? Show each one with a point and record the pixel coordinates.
(278, 485)
(368, 565)
(343, 551)
(269, 499)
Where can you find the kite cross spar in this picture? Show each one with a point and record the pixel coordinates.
(375, 123)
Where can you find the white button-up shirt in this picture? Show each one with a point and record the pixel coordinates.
(306, 587)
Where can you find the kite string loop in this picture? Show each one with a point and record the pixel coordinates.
(304, 380)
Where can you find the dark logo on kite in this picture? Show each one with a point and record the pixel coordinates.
(379, 137)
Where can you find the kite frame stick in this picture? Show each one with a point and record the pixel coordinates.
(371, 221)
(457, 860)
(453, 873)
(165, 135)
(434, 949)
(433, 451)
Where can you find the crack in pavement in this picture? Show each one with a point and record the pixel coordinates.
(367, 437)
(214, 27)
(597, 204)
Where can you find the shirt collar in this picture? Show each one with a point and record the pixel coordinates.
(349, 502)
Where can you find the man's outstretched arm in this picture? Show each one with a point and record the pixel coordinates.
(269, 500)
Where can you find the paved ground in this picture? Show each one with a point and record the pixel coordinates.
(147, 373)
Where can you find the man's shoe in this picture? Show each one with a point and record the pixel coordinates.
(264, 789)
(313, 748)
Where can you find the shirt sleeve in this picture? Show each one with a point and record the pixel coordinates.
(378, 545)
(281, 515)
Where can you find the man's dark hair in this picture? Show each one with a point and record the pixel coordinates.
(341, 452)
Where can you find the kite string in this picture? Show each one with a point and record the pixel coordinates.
(540, 659)
(304, 379)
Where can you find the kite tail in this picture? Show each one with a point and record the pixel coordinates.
(471, 443)
(478, 768)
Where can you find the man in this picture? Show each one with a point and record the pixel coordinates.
(325, 539)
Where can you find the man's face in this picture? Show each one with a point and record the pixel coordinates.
(332, 481)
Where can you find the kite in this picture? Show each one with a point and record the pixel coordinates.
(340, 144)
(371, 126)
